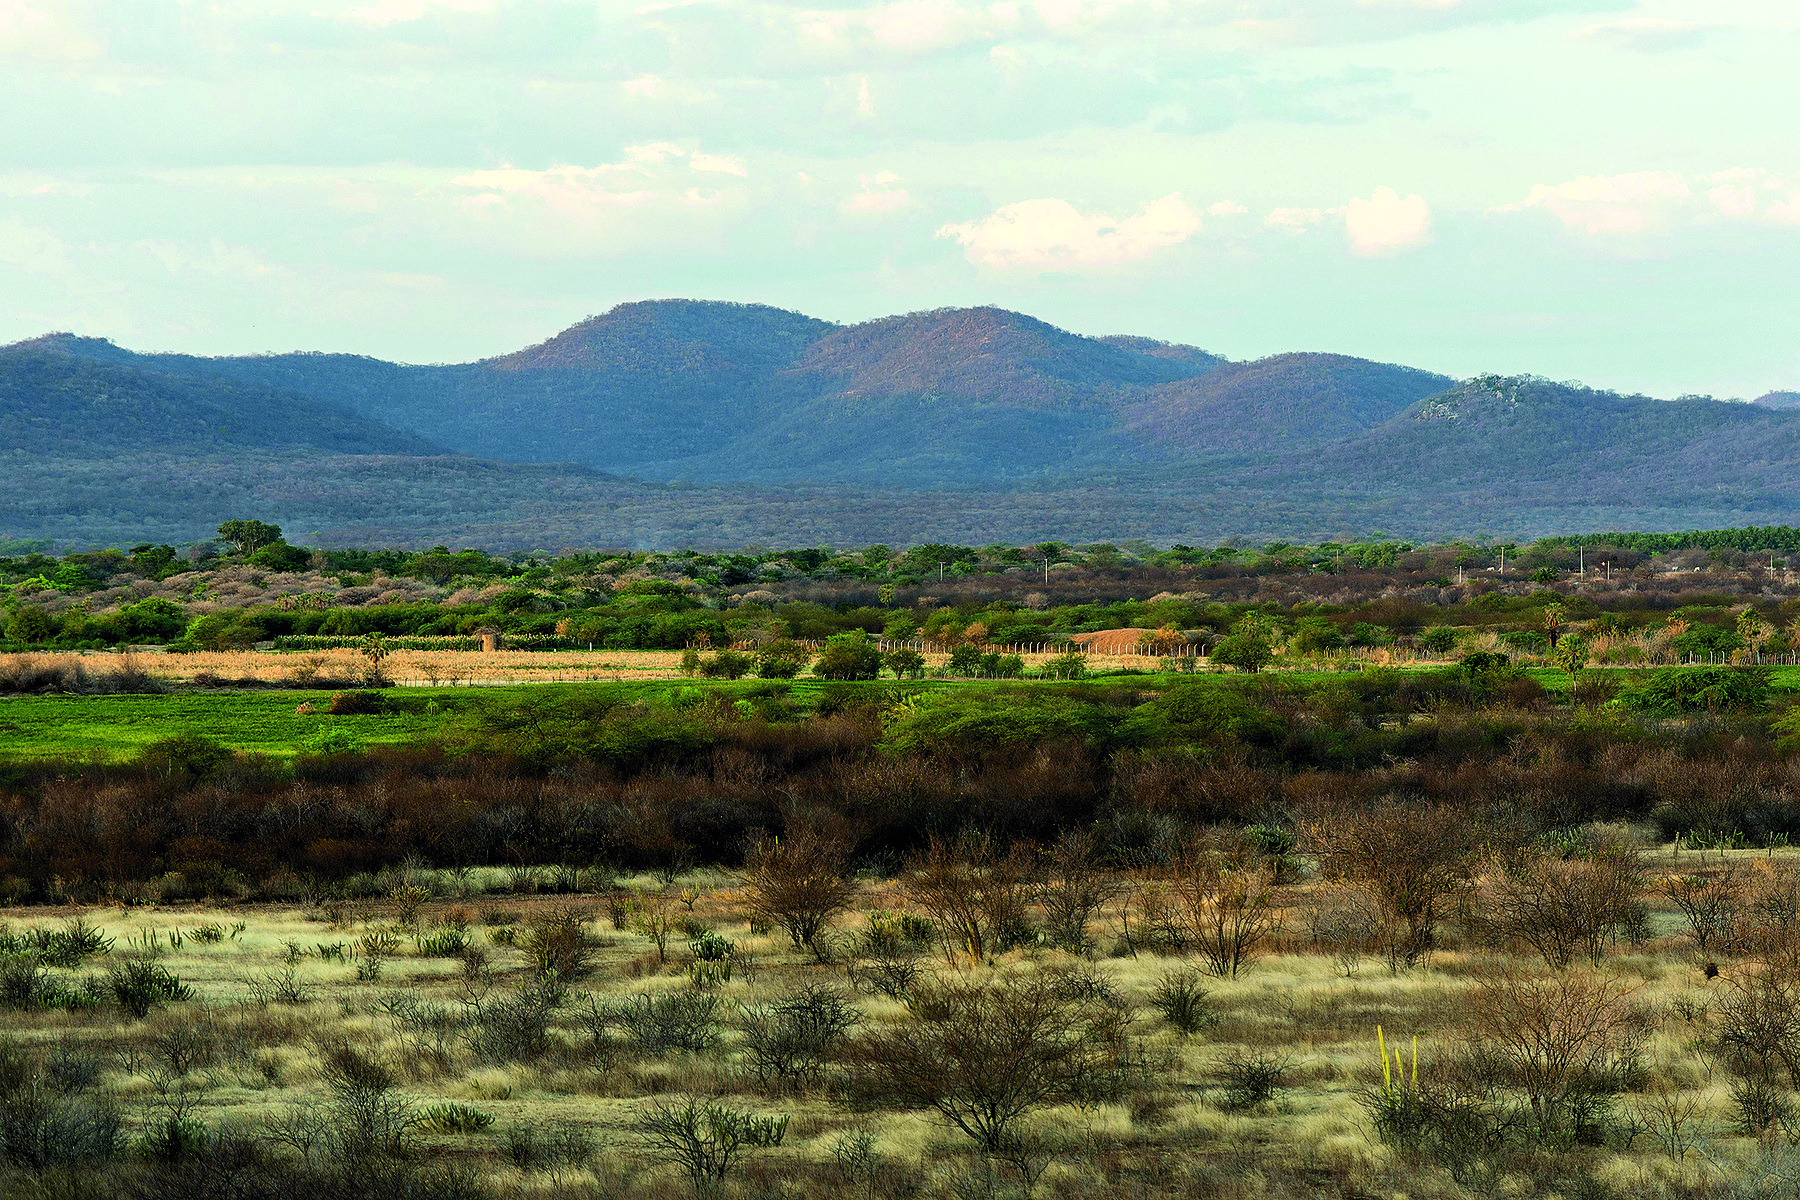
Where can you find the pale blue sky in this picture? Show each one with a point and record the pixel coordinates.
(1598, 189)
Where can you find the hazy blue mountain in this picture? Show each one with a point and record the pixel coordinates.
(57, 403)
(679, 421)
(1282, 403)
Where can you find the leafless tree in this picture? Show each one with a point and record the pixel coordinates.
(1561, 908)
(1409, 859)
(983, 1055)
(978, 898)
(799, 884)
(1225, 897)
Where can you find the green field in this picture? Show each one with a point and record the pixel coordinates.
(115, 727)
(111, 728)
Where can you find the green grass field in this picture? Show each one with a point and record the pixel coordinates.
(116, 727)
(111, 728)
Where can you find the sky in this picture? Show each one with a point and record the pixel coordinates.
(1603, 190)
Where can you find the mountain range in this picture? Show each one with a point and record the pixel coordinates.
(707, 423)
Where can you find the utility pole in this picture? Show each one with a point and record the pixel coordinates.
(1581, 560)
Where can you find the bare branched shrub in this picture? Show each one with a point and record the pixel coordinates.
(1711, 905)
(1151, 918)
(799, 885)
(1564, 1041)
(1183, 1002)
(1561, 908)
(369, 1118)
(984, 1055)
(704, 1138)
(563, 1147)
(558, 943)
(789, 1043)
(886, 961)
(977, 898)
(1757, 1020)
(1346, 923)
(671, 1021)
(1077, 889)
(1410, 860)
(1252, 1077)
(1668, 1114)
(1224, 897)
(47, 1121)
(654, 916)
(512, 1026)
(280, 987)
(1769, 920)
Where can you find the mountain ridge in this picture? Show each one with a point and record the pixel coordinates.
(760, 416)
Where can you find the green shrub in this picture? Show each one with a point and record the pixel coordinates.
(1072, 665)
(139, 986)
(964, 661)
(442, 943)
(1672, 690)
(964, 723)
(1183, 1002)
(664, 1023)
(848, 656)
(783, 658)
(65, 947)
(726, 664)
(328, 740)
(1245, 651)
(1315, 635)
(1439, 639)
(186, 755)
(455, 1118)
(905, 664)
(357, 704)
(1000, 666)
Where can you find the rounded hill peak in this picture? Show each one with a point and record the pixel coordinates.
(97, 348)
(675, 336)
(980, 353)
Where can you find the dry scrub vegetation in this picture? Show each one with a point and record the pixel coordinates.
(1399, 1001)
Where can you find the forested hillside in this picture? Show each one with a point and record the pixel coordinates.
(1286, 402)
(55, 403)
(669, 423)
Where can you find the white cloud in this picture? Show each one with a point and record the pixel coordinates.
(400, 12)
(566, 189)
(655, 87)
(1227, 208)
(865, 103)
(656, 171)
(35, 29)
(1648, 34)
(34, 250)
(1294, 220)
(1654, 202)
(1611, 205)
(880, 193)
(1387, 223)
(1051, 234)
(718, 164)
(649, 154)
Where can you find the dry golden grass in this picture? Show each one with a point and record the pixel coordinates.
(1296, 1002)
